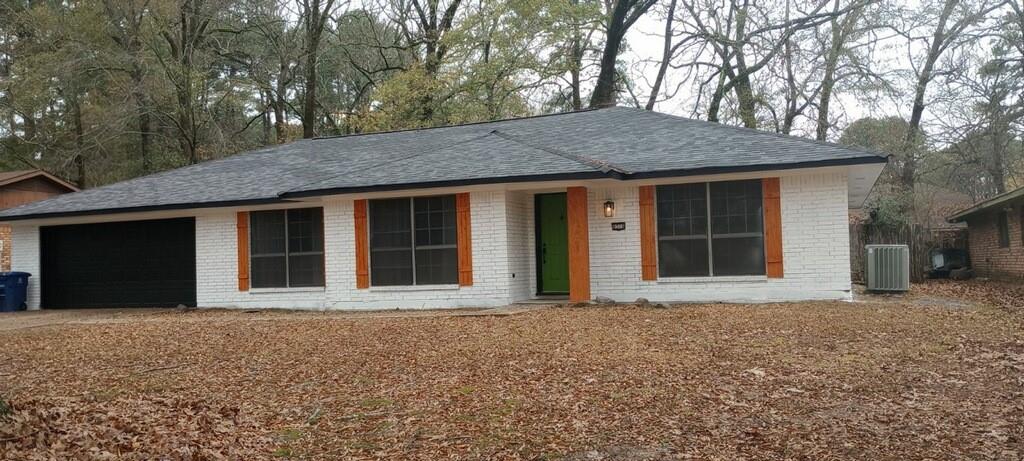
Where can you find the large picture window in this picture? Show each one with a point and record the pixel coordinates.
(413, 241)
(286, 248)
(710, 229)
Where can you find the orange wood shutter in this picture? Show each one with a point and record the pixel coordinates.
(242, 226)
(648, 239)
(772, 198)
(464, 239)
(362, 245)
(579, 244)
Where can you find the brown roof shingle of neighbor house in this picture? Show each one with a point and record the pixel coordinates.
(22, 187)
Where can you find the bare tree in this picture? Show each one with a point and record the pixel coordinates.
(125, 21)
(622, 15)
(315, 14)
(744, 47)
(668, 49)
(948, 31)
(842, 30)
(186, 33)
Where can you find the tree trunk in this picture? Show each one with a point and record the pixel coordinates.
(827, 84)
(80, 171)
(315, 20)
(431, 65)
(604, 91)
(278, 102)
(909, 171)
(576, 64)
(747, 102)
(666, 57)
(744, 89)
(792, 93)
(76, 114)
(309, 101)
(267, 100)
(716, 98)
(142, 113)
(841, 31)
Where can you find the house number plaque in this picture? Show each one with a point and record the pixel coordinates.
(618, 226)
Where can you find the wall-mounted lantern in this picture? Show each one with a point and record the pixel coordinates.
(609, 209)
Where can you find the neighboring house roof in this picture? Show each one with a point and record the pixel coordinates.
(1000, 200)
(618, 143)
(11, 177)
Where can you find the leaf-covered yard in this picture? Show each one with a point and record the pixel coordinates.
(881, 380)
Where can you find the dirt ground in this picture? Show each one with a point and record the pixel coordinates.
(935, 374)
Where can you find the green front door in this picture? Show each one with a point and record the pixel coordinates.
(552, 244)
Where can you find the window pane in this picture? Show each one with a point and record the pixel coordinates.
(682, 210)
(390, 242)
(1004, 229)
(266, 232)
(435, 220)
(738, 256)
(306, 230)
(268, 272)
(435, 227)
(391, 267)
(390, 225)
(736, 207)
(682, 230)
(737, 236)
(437, 266)
(683, 258)
(306, 270)
(267, 249)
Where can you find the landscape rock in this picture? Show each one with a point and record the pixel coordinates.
(604, 300)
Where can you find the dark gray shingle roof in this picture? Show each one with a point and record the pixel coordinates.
(615, 142)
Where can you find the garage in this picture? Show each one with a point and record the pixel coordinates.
(119, 264)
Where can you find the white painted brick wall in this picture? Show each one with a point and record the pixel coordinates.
(217, 272)
(815, 246)
(25, 258)
(521, 250)
(217, 269)
(815, 249)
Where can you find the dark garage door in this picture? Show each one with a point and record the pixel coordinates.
(121, 264)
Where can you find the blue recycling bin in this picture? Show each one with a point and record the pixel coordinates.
(13, 291)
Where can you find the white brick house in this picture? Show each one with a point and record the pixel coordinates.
(716, 228)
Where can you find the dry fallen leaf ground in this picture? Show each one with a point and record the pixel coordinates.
(882, 380)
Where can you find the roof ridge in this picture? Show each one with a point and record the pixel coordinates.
(600, 165)
(482, 122)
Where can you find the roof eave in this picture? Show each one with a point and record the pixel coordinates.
(985, 205)
(143, 209)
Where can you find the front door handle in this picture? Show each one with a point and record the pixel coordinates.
(544, 253)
